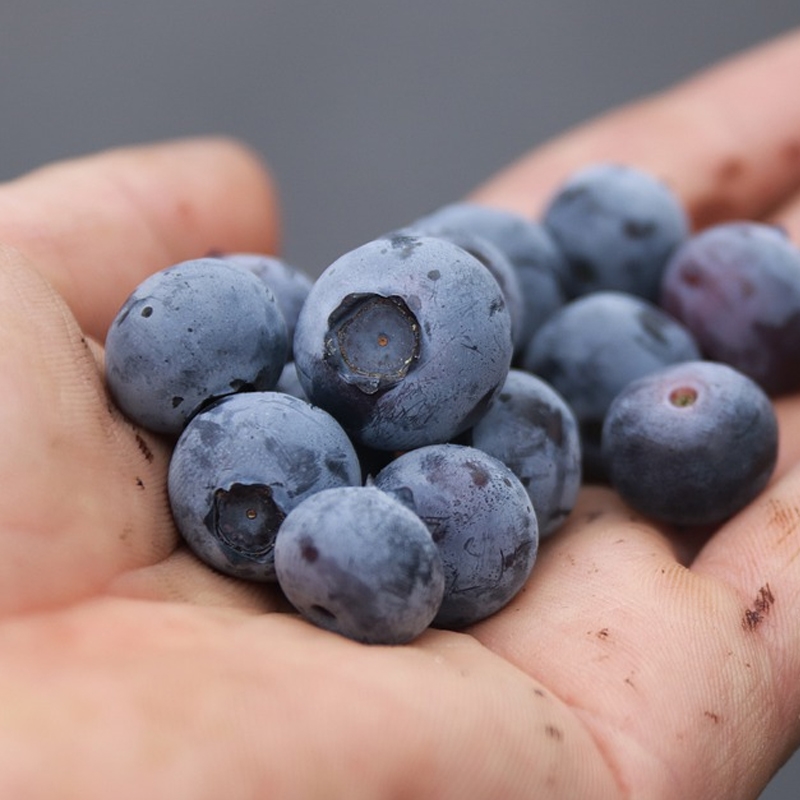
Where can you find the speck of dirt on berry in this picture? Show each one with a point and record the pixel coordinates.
(479, 475)
(308, 551)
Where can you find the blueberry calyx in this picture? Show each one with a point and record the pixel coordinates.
(245, 518)
(683, 396)
(372, 340)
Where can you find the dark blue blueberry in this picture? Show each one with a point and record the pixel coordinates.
(736, 286)
(533, 431)
(589, 350)
(190, 334)
(691, 444)
(539, 263)
(358, 562)
(241, 465)
(288, 283)
(405, 340)
(480, 517)
(617, 226)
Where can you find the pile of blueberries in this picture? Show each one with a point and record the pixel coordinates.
(390, 442)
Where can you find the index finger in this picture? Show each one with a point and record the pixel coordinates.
(96, 226)
(727, 140)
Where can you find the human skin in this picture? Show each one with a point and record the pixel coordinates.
(636, 663)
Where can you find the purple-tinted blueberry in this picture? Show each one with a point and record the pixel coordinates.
(539, 263)
(590, 349)
(288, 283)
(533, 431)
(190, 334)
(736, 286)
(617, 226)
(480, 518)
(358, 562)
(239, 468)
(405, 340)
(691, 444)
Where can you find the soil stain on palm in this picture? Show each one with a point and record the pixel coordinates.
(758, 611)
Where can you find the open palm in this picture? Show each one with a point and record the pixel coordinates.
(635, 663)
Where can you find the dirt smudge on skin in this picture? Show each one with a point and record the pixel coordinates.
(784, 518)
(144, 448)
(758, 611)
(730, 169)
(554, 733)
(629, 681)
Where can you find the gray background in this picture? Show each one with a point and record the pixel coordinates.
(370, 113)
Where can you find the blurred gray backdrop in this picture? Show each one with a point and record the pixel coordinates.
(370, 113)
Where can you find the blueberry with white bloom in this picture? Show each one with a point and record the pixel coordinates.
(241, 465)
(358, 562)
(188, 335)
(405, 340)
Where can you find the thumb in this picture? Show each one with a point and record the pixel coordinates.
(83, 490)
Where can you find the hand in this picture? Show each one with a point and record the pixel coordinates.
(634, 664)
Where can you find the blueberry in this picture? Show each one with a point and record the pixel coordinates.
(533, 431)
(405, 340)
(288, 283)
(187, 335)
(691, 444)
(480, 518)
(495, 260)
(590, 349)
(736, 286)
(358, 562)
(239, 468)
(617, 226)
(532, 251)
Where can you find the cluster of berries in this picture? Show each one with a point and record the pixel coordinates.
(390, 441)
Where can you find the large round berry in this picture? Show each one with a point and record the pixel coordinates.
(533, 431)
(481, 519)
(239, 468)
(736, 286)
(405, 340)
(358, 562)
(691, 444)
(190, 334)
(617, 226)
(594, 346)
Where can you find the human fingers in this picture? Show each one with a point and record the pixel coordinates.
(96, 226)
(84, 507)
(83, 489)
(136, 699)
(727, 140)
(755, 556)
(182, 577)
(653, 657)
